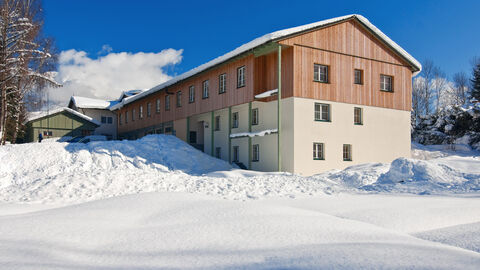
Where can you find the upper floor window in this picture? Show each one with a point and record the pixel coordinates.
(222, 83)
(179, 99)
(386, 83)
(358, 76)
(347, 152)
(120, 119)
(140, 112)
(320, 73)
(205, 89)
(357, 116)
(126, 117)
(133, 114)
(235, 120)
(318, 151)
(191, 94)
(106, 120)
(157, 107)
(149, 109)
(241, 77)
(322, 112)
(217, 123)
(255, 116)
(167, 103)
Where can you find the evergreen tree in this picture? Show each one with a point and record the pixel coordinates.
(476, 82)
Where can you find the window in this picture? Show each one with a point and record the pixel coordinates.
(320, 73)
(126, 117)
(109, 120)
(140, 112)
(47, 133)
(358, 76)
(149, 109)
(236, 154)
(167, 103)
(133, 114)
(256, 152)
(191, 94)
(222, 83)
(179, 99)
(235, 120)
(357, 116)
(347, 152)
(386, 83)
(120, 119)
(241, 76)
(157, 106)
(104, 120)
(217, 123)
(255, 116)
(322, 112)
(205, 89)
(218, 152)
(318, 151)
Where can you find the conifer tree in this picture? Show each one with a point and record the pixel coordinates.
(475, 93)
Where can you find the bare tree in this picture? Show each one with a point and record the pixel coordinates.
(460, 82)
(418, 97)
(428, 73)
(24, 58)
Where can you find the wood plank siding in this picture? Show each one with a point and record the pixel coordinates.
(343, 47)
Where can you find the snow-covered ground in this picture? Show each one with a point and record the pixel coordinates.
(130, 205)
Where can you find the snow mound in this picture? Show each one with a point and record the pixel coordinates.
(419, 176)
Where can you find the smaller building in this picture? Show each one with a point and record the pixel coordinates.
(61, 122)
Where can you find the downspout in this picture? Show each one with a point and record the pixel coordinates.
(212, 134)
(188, 130)
(279, 108)
(229, 132)
(249, 138)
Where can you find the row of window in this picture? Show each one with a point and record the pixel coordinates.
(222, 88)
(321, 74)
(323, 113)
(236, 153)
(319, 151)
(107, 120)
(235, 119)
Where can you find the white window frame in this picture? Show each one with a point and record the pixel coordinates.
(320, 73)
(347, 152)
(386, 83)
(358, 116)
(318, 151)
(255, 152)
(140, 112)
(157, 106)
(322, 112)
(222, 83)
(191, 94)
(205, 87)
(255, 117)
(179, 99)
(241, 77)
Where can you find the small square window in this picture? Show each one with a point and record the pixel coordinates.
(104, 120)
(322, 112)
(318, 151)
(320, 73)
(109, 120)
(347, 152)
(358, 74)
(386, 83)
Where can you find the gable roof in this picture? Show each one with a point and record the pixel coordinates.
(37, 115)
(272, 37)
(90, 103)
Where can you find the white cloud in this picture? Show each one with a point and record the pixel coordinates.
(107, 76)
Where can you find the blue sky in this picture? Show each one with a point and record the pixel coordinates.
(444, 32)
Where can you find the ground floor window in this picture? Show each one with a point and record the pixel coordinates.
(218, 152)
(256, 152)
(235, 120)
(347, 152)
(235, 154)
(318, 151)
(47, 133)
(357, 116)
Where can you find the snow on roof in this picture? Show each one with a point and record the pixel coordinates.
(267, 94)
(38, 115)
(270, 38)
(91, 103)
(254, 134)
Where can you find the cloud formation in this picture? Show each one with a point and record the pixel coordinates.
(107, 76)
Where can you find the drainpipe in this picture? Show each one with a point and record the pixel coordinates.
(212, 147)
(188, 130)
(249, 138)
(229, 132)
(279, 108)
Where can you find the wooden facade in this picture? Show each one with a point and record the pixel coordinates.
(343, 47)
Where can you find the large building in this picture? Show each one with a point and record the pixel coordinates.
(345, 91)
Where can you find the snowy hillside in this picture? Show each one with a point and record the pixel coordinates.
(61, 172)
(61, 208)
